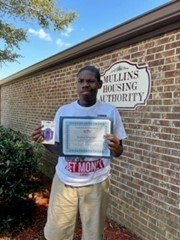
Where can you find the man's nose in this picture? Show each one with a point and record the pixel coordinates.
(85, 83)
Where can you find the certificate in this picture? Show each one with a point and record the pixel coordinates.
(84, 136)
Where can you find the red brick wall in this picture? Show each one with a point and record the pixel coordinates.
(145, 179)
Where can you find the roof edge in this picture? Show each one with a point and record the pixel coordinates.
(164, 17)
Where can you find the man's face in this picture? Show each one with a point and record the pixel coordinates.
(87, 88)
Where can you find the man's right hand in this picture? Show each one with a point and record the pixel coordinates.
(37, 135)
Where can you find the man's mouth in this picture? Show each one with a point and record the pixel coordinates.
(85, 92)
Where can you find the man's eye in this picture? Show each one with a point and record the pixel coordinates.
(91, 81)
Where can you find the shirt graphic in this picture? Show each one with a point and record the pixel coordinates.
(78, 165)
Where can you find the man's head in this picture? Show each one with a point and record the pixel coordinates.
(88, 83)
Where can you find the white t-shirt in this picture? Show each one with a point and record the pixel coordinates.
(76, 171)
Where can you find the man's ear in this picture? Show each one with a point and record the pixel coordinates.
(100, 84)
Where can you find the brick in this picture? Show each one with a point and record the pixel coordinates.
(165, 54)
(155, 49)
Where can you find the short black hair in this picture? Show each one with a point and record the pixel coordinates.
(93, 70)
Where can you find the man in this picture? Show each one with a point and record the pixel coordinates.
(76, 191)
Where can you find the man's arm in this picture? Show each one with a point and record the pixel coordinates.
(52, 148)
(115, 145)
(119, 149)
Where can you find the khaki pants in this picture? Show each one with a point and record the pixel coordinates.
(66, 202)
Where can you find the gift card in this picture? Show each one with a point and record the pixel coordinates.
(48, 132)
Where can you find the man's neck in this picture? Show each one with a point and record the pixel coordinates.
(86, 103)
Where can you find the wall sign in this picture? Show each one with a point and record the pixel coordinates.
(125, 85)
